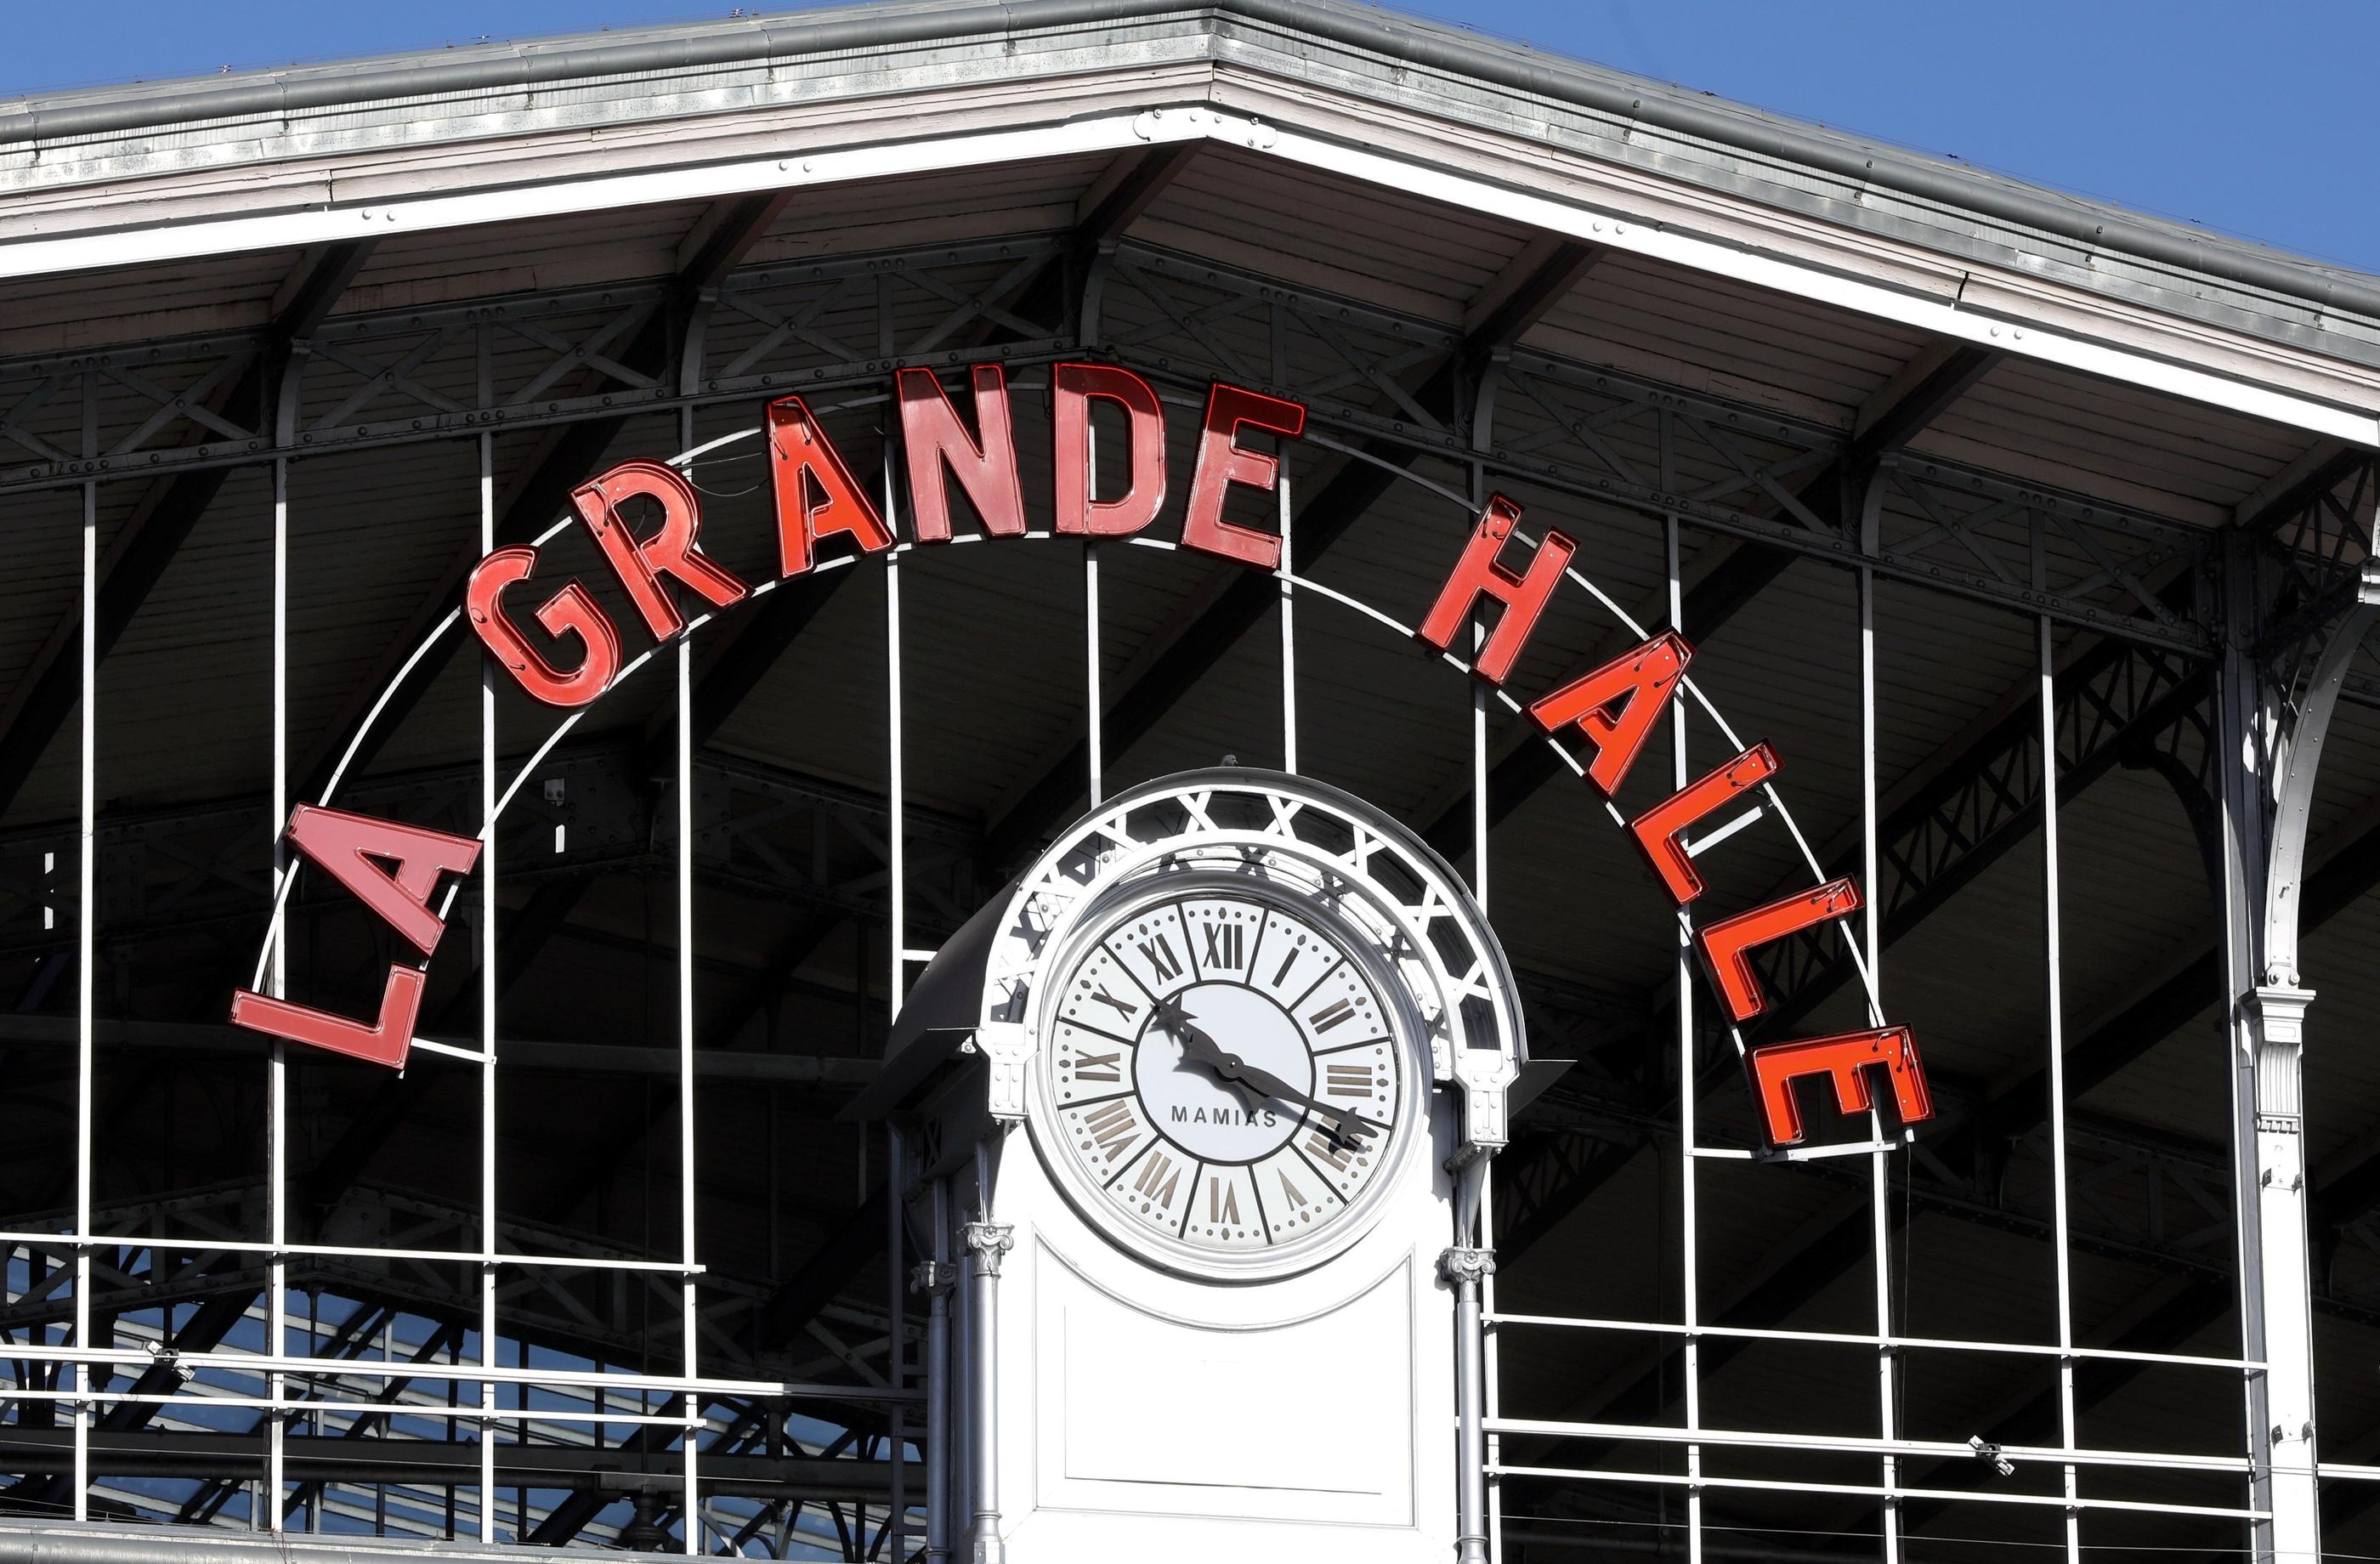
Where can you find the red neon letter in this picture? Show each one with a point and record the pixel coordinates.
(1844, 1059)
(1221, 462)
(568, 612)
(1659, 828)
(669, 551)
(1728, 942)
(386, 1041)
(1479, 573)
(1071, 387)
(933, 439)
(1640, 683)
(354, 848)
(816, 494)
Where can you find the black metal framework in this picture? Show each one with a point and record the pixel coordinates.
(1394, 390)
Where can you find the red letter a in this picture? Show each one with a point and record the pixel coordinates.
(816, 493)
(1639, 683)
(933, 440)
(353, 848)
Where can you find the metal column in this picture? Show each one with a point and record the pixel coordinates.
(2265, 1033)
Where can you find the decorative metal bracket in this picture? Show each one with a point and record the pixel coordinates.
(1461, 1264)
(988, 1242)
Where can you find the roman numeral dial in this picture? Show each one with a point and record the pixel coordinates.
(1224, 1071)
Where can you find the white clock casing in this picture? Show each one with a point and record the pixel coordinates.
(1288, 1393)
(1157, 1146)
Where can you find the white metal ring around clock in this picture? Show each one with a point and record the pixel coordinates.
(1220, 1002)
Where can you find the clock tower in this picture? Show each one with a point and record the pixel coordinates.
(1197, 1112)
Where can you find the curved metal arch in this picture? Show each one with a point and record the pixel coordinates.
(1171, 818)
(452, 621)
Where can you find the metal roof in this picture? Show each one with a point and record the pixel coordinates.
(1747, 137)
(58, 144)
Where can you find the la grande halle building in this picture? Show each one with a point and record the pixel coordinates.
(1107, 780)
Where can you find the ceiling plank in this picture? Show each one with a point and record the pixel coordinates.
(138, 557)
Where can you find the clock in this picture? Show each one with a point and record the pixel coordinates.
(1206, 1098)
(1231, 1079)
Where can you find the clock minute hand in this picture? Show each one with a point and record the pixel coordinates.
(1347, 1129)
(1204, 1049)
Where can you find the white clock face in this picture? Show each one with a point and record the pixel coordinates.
(1225, 1071)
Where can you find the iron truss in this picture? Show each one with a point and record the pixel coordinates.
(1601, 434)
(2141, 1197)
(2119, 703)
(584, 812)
(598, 1309)
(399, 376)
(372, 1447)
(2151, 1200)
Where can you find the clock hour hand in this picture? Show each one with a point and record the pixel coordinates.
(1201, 1048)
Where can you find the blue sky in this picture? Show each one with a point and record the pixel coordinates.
(2246, 117)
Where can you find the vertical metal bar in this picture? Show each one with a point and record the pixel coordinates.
(276, 1176)
(895, 1169)
(86, 992)
(1464, 1267)
(1494, 1451)
(986, 1241)
(896, 1177)
(1094, 703)
(1288, 621)
(1688, 1228)
(1479, 698)
(1476, 1540)
(486, 1025)
(1879, 1166)
(688, 1299)
(940, 1407)
(897, 778)
(1491, 1449)
(1690, 1297)
(2054, 955)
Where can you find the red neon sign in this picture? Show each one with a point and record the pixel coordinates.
(1639, 684)
(670, 551)
(1614, 707)
(394, 868)
(1073, 389)
(937, 445)
(1847, 1062)
(1481, 574)
(569, 611)
(817, 503)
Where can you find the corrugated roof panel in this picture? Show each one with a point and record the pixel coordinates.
(2108, 442)
(51, 314)
(1727, 339)
(1320, 230)
(522, 257)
